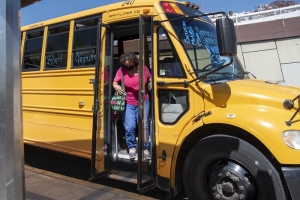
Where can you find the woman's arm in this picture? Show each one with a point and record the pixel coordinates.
(149, 78)
(118, 88)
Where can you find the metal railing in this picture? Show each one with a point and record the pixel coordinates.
(286, 12)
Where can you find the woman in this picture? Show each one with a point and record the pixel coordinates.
(130, 69)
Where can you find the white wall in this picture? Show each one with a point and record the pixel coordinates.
(276, 60)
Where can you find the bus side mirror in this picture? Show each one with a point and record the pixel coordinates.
(226, 36)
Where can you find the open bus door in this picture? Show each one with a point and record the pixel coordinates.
(114, 160)
(146, 172)
(99, 149)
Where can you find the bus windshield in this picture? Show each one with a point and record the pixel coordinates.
(199, 40)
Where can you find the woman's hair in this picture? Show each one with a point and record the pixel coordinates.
(130, 56)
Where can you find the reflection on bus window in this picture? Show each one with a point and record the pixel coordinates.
(200, 43)
(57, 47)
(169, 64)
(173, 104)
(32, 51)
(84, 43)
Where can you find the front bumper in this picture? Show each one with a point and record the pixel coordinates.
(292, 177)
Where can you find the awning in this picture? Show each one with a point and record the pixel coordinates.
(25, 3)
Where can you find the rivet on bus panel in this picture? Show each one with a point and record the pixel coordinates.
(92, 81)
(230, 115)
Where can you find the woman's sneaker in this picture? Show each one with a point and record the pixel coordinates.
(132, 153)
(147, 155)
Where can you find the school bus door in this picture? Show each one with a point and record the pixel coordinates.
(174, 102)
(144, 181)
(98, 157)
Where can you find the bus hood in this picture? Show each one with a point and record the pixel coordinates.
(251, 94)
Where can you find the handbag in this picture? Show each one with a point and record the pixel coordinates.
(118, 101)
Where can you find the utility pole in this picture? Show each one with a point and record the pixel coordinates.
(11, 138)
(203, 7)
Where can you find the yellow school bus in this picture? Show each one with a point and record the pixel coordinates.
(214, 130)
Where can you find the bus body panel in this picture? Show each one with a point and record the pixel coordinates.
(261, 113)
(57, 109)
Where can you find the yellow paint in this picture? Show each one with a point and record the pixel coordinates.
(259, 110)
(53, 117)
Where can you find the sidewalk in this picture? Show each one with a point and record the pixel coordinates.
(44, 185)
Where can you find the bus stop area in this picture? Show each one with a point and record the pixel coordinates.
(45, 185)
(200, 137)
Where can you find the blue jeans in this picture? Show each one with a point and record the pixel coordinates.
(130, 122)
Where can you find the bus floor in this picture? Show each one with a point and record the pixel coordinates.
(52, 175)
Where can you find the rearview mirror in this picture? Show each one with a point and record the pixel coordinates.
(226, 36)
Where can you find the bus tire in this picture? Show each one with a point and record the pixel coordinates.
(223, 167)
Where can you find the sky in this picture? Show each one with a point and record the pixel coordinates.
(47, 9)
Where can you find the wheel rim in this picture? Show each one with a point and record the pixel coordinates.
(228, 180)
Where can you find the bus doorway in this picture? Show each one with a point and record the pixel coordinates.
(116, 39)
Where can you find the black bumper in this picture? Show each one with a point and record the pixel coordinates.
(292, 177)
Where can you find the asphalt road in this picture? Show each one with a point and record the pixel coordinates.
(79, 168)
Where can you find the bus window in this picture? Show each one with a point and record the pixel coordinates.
(57, 47)
(169, 65)
(172, 105)
(84, 43)
(33, 50)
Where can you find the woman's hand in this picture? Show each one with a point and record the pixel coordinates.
(118, 89)
(150, 84)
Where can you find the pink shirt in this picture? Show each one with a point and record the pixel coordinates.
(131, 84)
(106, 75)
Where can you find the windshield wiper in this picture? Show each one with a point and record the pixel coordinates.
(200, 70)
(222, 73)
(231, 73)
(246, 72)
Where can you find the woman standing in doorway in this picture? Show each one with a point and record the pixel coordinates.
(130, 69)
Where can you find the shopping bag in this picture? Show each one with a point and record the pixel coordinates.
(118, 102)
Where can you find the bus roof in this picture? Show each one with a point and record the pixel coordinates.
(94, 11)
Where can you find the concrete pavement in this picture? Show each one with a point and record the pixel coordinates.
(44, 185)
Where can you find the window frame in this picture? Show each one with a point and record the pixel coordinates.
(59, 51)
(160, 103)
(175, 56)
(30, 55)
(97, 19)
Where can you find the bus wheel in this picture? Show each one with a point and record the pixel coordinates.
(227, 168)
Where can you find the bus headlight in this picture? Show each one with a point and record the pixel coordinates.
(292, 138)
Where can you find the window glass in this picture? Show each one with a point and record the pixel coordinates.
(33, 46)
(56, 60)
(86, 23)
(199, 39)
(57, 42)
(31, 63)
(85, 38)
(169, 64)
(173, 104)
(57, 47)
(84, 57)
(32, 51)
(84, 43)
